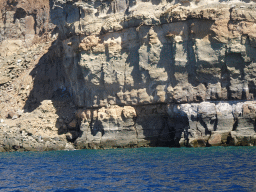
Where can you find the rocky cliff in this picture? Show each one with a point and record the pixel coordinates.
(127, 73)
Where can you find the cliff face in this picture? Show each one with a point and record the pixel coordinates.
(132, 73)
(146, 52)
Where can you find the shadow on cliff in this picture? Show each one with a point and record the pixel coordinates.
(47, 76)
(162, 129)
(50, 80)
(250, 50)
(49, 83)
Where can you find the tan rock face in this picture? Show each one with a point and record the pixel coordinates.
(187, 52)
(128, 73)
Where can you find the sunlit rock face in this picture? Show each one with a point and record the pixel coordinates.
(195, 59)
(136, 52)
(130, 73)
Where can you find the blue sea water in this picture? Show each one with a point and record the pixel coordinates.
(142, 169)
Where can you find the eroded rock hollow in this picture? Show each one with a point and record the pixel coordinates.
(127, 73)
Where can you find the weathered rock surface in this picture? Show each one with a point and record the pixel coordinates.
(104, 74)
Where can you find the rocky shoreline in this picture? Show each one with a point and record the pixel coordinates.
(203, 124)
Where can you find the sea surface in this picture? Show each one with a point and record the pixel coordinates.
(142, 169)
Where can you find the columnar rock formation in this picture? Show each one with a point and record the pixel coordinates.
(132, 73)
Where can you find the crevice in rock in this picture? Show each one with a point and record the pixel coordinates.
(235, 125)
(226, 76)
(136, 131)
(207, 132)
(215, 123)
(20, 13)
(40, 33)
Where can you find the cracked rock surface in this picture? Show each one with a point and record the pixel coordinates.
(114, 73)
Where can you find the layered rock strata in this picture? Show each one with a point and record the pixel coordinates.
(204, 124)
(132, 73)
